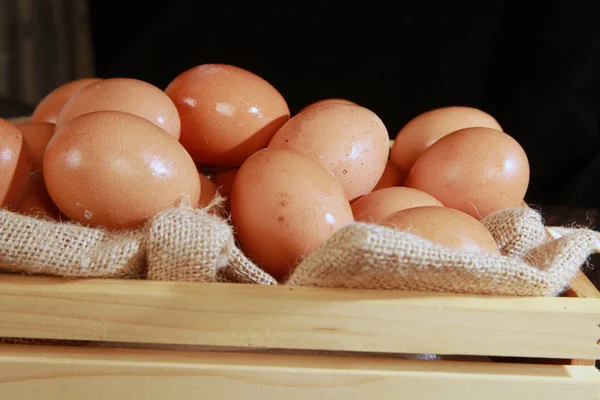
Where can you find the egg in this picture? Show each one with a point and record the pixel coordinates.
(36, 136)
(349, 140)
(223, 179)
(381, 203)
(36, 201)
(115, 169)
(207, 191)
(227, 113)
(14, 165)
(284, 205)
(392, 176)
(445, 226)
(322, 102)
(424, 130)
(48, 109)
(128, 95)
(474, 170)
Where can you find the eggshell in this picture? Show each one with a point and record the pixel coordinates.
(474, 170)
(445, 226)
(392, 176)
(36, 201)
(36, 136)
(223, 178)
(327, 101)
(227, 113)
(128, 95)
(114, 169)
(424, 130)
(381, 203)
(48, 109)
(349, 140)
(283, 205)
(14, 165)
(207, 191)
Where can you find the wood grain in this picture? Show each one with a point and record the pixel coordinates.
(72, 373)
(298, 318)
(582, 287)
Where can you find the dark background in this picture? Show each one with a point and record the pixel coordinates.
(533, 65)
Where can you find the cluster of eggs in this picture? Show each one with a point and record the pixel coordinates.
(114, 152)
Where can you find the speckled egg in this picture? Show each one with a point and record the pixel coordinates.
(223, 180)
(48, 109)
(381, 203)
(128, 95)
(14, 165)
(115, 169)
(227, 113)
(445, 226)
(392, 176)
(207, 191)
(36, 136)
(349, 140)
(283, 205)
(36, 201)
(474, 170)
(322, 102)
(425, 129)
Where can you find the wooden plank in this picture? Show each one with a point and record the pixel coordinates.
(582, 287)
(26, 372)
(298, 318)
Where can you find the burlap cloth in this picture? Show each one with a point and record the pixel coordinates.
(195, 245)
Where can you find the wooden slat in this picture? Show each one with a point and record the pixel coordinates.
(72, 373)
(582, 287)
(298, 318)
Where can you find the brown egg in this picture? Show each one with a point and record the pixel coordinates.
(445, 226)
(48, 109)
(223, 179)
(207, 191)
(14, 165)
(128, 95)
(349, 140)
(114, 169)
(327, 101)
(227, 113)
(381, 203)
(283, 205)
(36, 136)
(37, 202)
(474, 170)
(424, 130)
(392, 176)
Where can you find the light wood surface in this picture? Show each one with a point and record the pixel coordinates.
(582, 287)
(113, 374)
(298, 318)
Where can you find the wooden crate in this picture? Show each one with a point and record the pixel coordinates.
(123, 339)
(166, 340)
